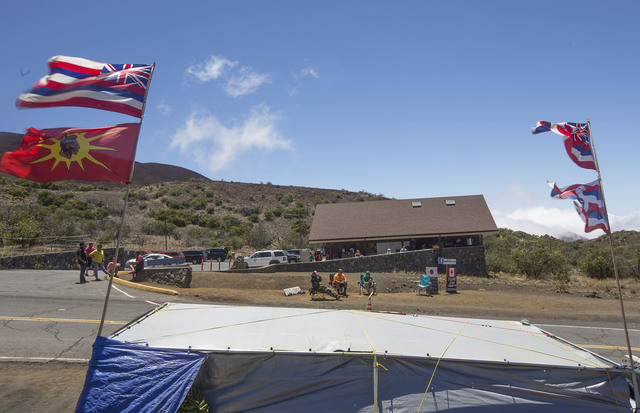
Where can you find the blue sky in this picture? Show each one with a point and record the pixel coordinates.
(408, 99)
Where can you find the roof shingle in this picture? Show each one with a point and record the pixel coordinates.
(402, 218)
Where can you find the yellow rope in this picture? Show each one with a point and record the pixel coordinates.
(485, 340)
(437, 363)
(613, 391)
(555, 343)
(225, 326)
(371, 315)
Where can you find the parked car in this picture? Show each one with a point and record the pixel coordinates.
(215, 253)
(263, 258)
(194, 256)
(174, 254)
(291, 257)
(148, 257)
(304, 254)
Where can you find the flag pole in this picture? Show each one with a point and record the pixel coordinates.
(636, 391)
(124, 209)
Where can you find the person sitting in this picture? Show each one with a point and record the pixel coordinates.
(340, 282)
(138, 265)
(368, 283)
(113, 268)
(316, 279)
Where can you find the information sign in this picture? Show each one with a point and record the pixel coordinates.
(452, 280)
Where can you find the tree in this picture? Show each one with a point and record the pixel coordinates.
(597, 264)
(258, 237)
(533, 262)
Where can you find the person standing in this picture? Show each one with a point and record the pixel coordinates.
(88, 251)
(97, 257)
(81, 257)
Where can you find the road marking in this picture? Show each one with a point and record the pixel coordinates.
(608, 347)
(587, 327)
(128, 295)
(60, 320)
(43, 359)
(151, 302)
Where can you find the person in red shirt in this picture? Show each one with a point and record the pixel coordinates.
(138, 265)
(88, 251)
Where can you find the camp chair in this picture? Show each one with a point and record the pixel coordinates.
(423, 283)
(322, 291)
(361, 284)
(339, 290)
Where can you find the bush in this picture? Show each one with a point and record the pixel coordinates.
(597, 265)
(46, 198)
(258, 237)
(173, 216)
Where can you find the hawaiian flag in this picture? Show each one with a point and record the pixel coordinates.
(75, 81)
(102, 154)
(587, 198)
(577, 141)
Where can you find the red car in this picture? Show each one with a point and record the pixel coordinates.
(174, 254)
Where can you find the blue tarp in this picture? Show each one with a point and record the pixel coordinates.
(125, 377)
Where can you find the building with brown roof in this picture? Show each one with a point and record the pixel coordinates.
(378, 227)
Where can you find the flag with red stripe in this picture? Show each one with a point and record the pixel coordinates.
(74, 81)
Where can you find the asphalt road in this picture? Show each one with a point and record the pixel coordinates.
(45, 315)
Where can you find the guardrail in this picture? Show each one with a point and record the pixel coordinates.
(163, 261)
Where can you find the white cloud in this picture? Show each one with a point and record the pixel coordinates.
(212, 69)
(245, 81)
(559, 223)
(629, 222)
(307, 72)
(235, 82)
(215, 146)
(520, 193)
(298, 76)
(164, 108)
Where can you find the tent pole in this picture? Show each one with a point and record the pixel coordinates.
(375, 382)
(636, 391)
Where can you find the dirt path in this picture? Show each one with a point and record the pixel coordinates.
(55, 386)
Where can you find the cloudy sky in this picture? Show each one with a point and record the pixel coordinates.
(406, 99)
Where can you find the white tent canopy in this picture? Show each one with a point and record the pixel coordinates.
(287, 359)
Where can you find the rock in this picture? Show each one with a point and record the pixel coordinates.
(238, 262)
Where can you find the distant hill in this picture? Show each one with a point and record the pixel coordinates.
(143, 174)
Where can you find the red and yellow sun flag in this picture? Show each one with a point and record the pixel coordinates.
(102, 154)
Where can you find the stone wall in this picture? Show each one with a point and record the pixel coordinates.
(65, 260)
(173, 275)
(469, 261)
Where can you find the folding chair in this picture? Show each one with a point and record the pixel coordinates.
(339, 290)
(361, 284)
(423, 283)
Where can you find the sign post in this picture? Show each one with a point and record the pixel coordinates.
(433, 273)
(452, 280)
